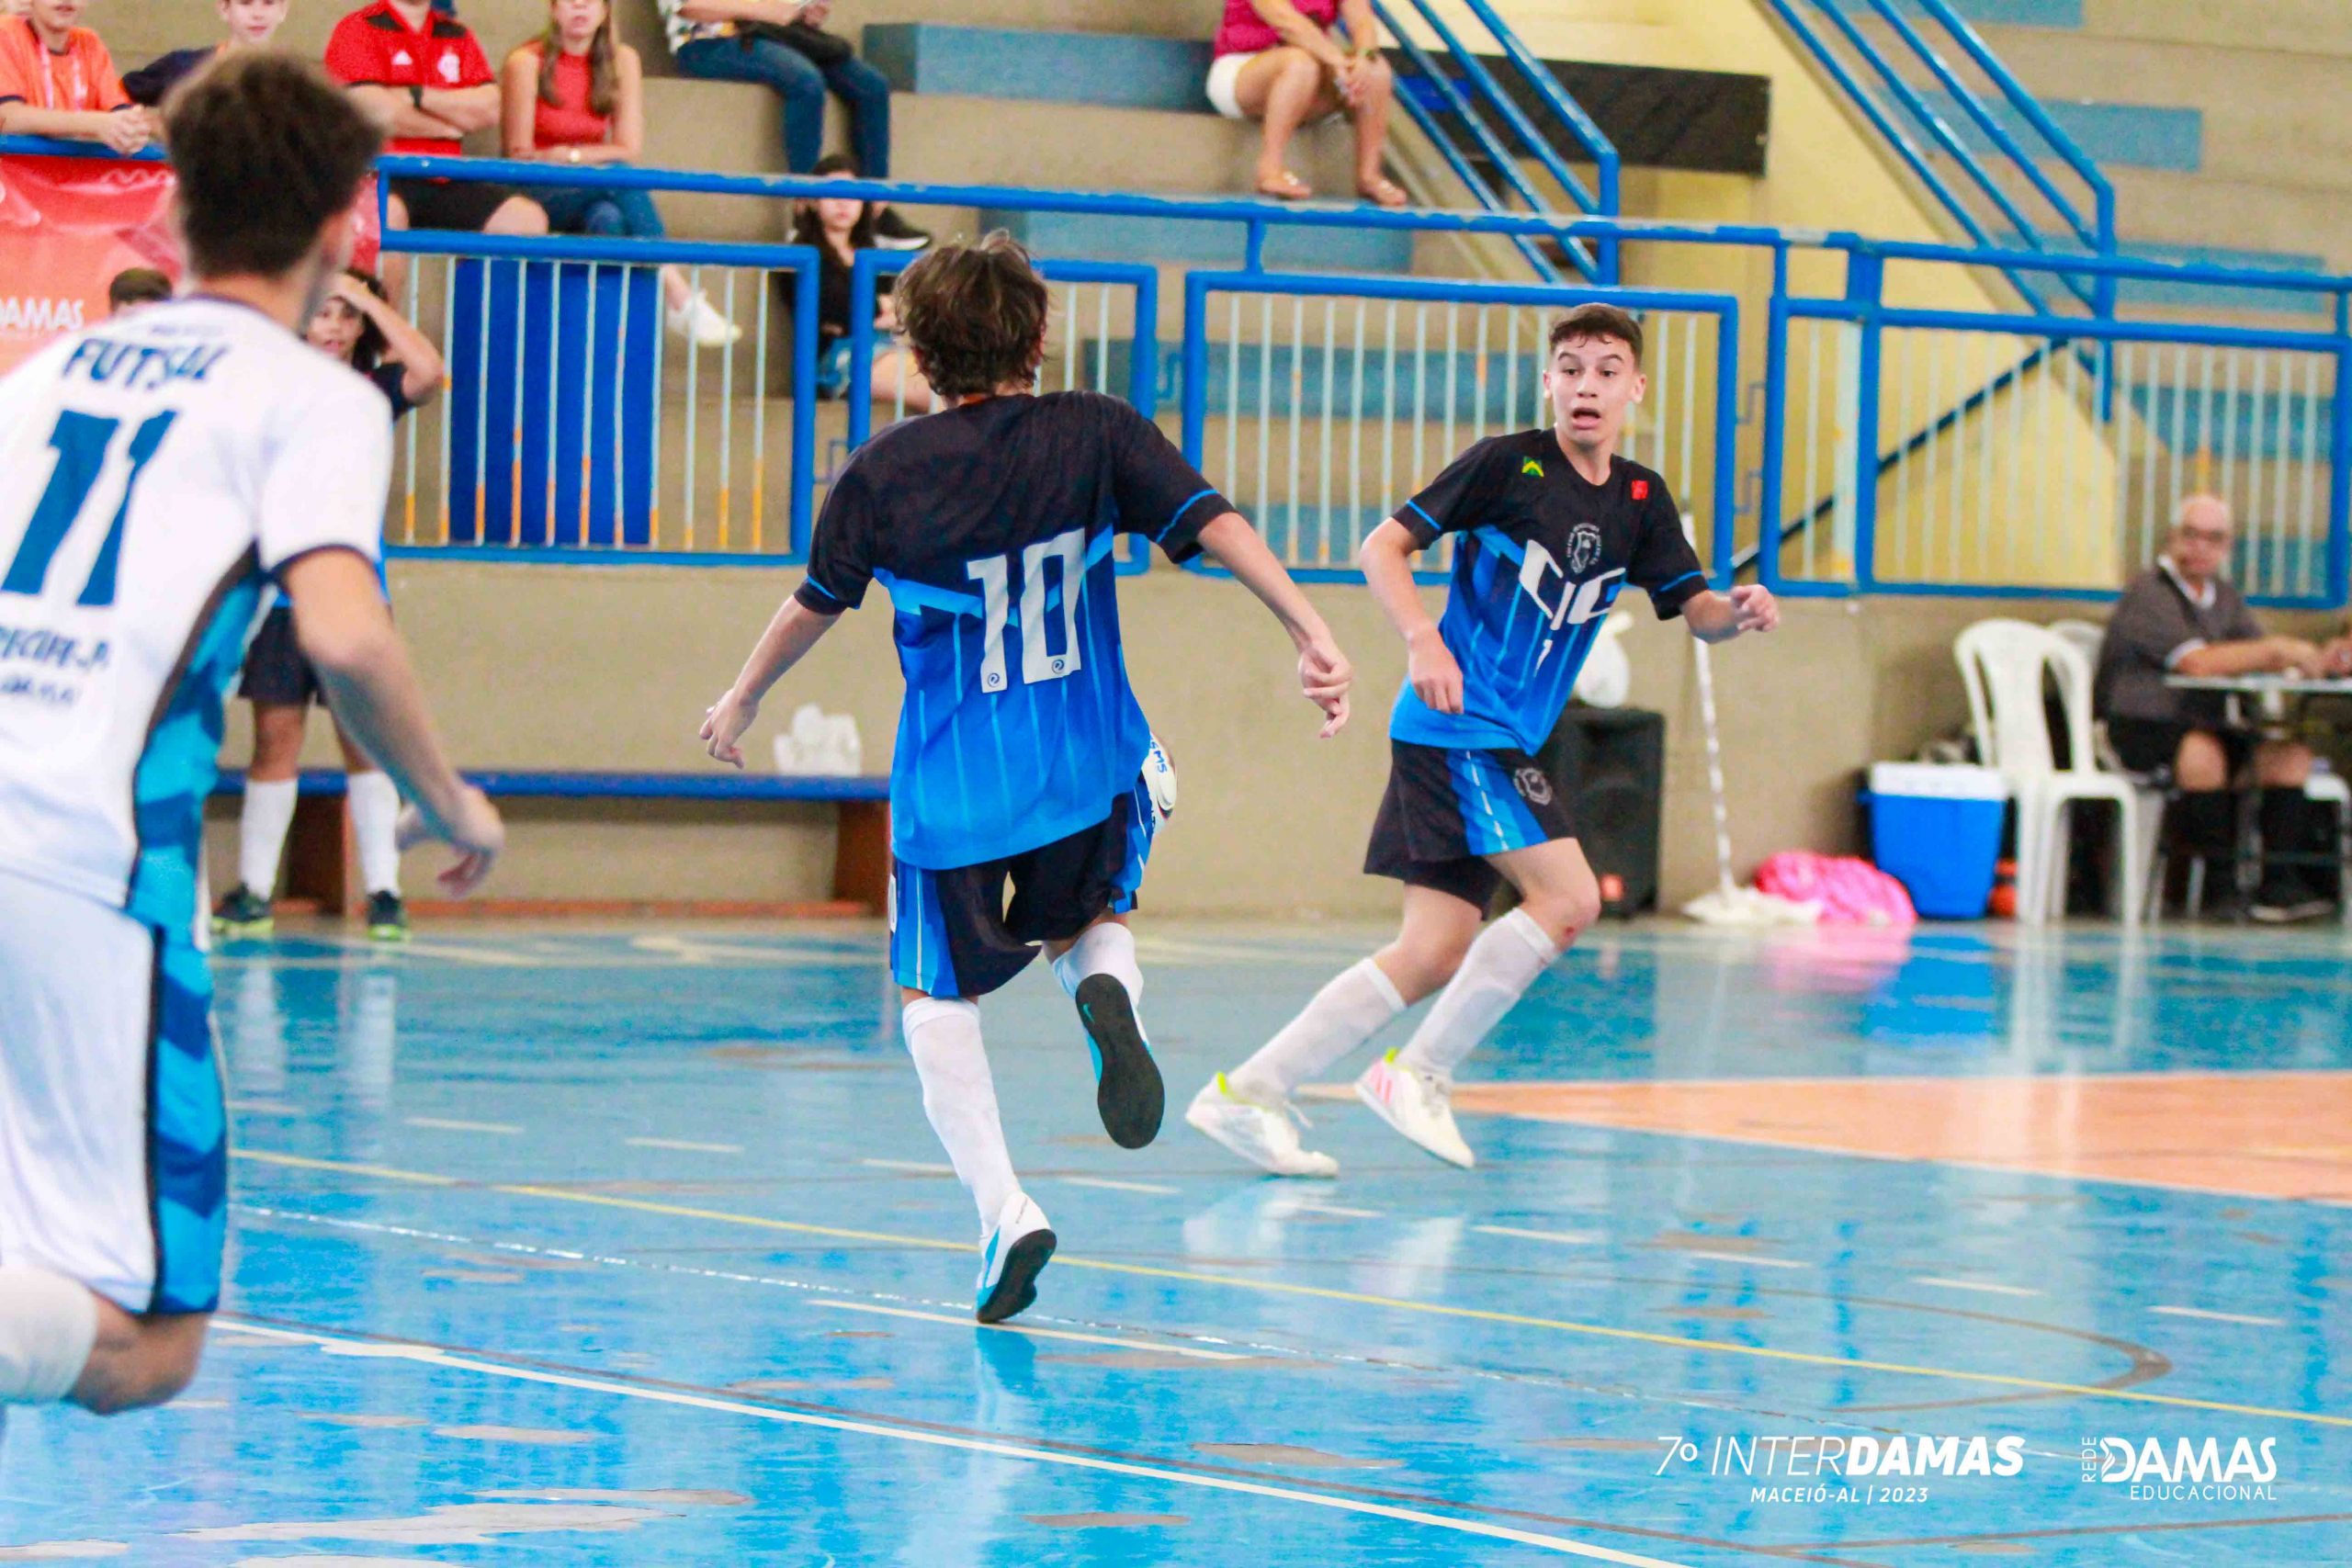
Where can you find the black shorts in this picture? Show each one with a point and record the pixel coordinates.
(951, 933)
(462, 205)
(276, 673)
(2147, 745)
(1446, 810)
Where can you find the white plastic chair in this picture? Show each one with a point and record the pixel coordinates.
(2086, 637)
(2002, 664)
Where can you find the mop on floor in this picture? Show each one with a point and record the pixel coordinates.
(1730, 904)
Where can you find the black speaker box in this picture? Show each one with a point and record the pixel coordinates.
(1610, 765)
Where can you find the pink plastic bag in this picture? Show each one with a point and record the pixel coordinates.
(1850, 892)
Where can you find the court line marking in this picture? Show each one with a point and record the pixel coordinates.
(1570, 1238)
(1741, 1258)
(2219, 1316)
(446, 1124)
(1324, 1292)
(1108, 1185)
(1986, 1287)
(688, 1145)
(919, 1166)
(428, 1355)
(1312, 1207)
(1034, 1333)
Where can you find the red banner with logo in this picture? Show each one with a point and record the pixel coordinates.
(68, 225)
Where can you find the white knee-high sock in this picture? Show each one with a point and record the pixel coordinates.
(959, 1096)
(1354, 1007)
(47, 1324)
(268, 812)
(1500, 967)
(1105, 949)
(375, 822)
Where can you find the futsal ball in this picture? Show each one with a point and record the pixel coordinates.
(1160, 777)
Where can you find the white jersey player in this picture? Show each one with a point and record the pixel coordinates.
(157, 473)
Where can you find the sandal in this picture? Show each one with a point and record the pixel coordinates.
(1288, 188)
(1385, 193)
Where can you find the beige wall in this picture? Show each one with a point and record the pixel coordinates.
(611, 667)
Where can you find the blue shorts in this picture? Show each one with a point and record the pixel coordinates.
(1447, 808)
(953, 935)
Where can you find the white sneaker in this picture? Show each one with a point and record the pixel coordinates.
(1264, 1135)
(1012, 1257)
(699, 323)
(1418, 1104)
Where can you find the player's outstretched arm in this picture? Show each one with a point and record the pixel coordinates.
(794, 630)
(1323, 674)
(346, 633)
(1719, 617)
(1386, 557)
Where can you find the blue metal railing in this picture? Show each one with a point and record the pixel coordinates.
(2124, 391)
(1597, 262)
(2072, 221)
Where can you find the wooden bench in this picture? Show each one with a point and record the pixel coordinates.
(320, 860)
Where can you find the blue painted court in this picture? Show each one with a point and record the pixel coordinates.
(614, 1246)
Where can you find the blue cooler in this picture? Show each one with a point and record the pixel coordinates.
(1937, 830)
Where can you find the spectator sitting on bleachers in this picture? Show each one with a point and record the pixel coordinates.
(57, 79)
(250, 24)
(1276, 61)
(782, 45)
(576, 96)
(424, 75)
(135, 285)
(838, 228)
(2183, 617)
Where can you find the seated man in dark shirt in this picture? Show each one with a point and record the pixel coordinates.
(2182, 617)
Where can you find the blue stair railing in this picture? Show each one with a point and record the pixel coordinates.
(2017, 145)
(1443, 94)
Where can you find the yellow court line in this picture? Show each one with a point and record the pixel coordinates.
(1320, 1293)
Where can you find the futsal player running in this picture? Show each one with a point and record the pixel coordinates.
(156, 470)
(1549, 526)
(1021, 750)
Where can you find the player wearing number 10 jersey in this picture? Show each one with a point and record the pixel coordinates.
(1022, 752)
(156, 472)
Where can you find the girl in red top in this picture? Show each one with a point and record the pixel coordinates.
(1278, 60)
(575, 95)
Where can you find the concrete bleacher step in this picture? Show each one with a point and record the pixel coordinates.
(2144, 136)
(1116, 69)
(1107, 237)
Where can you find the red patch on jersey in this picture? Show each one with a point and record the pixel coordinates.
(1641, 489)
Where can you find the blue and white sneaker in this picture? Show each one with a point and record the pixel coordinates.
(1128, 1092)
(1015, 1253)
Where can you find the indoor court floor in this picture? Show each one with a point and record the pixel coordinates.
(622, 1245)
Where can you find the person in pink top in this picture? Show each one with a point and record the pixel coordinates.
(1280, 62)
(574, 96)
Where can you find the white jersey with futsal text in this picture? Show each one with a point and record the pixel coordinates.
(156, 470)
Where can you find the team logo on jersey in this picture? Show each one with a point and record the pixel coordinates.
(1534, 786)
(1584, 549)
(1641, 489)
(1529, 465)
(450, 69)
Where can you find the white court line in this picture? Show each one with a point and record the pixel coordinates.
(1570, 1238)
(1335, 1209)
(430, 1356)
(2219, 1316)
(1031, 1332)
(442, 1124)
(1110, 1185)
(688, 1145)
(1982, 1285)
(920, 1168)
(1749, 1257)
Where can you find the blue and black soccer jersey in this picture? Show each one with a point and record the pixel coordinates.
(1541, 556)
(991, 526)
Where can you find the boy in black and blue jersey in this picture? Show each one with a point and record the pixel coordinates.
(1549, 526)
(1022, 758)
